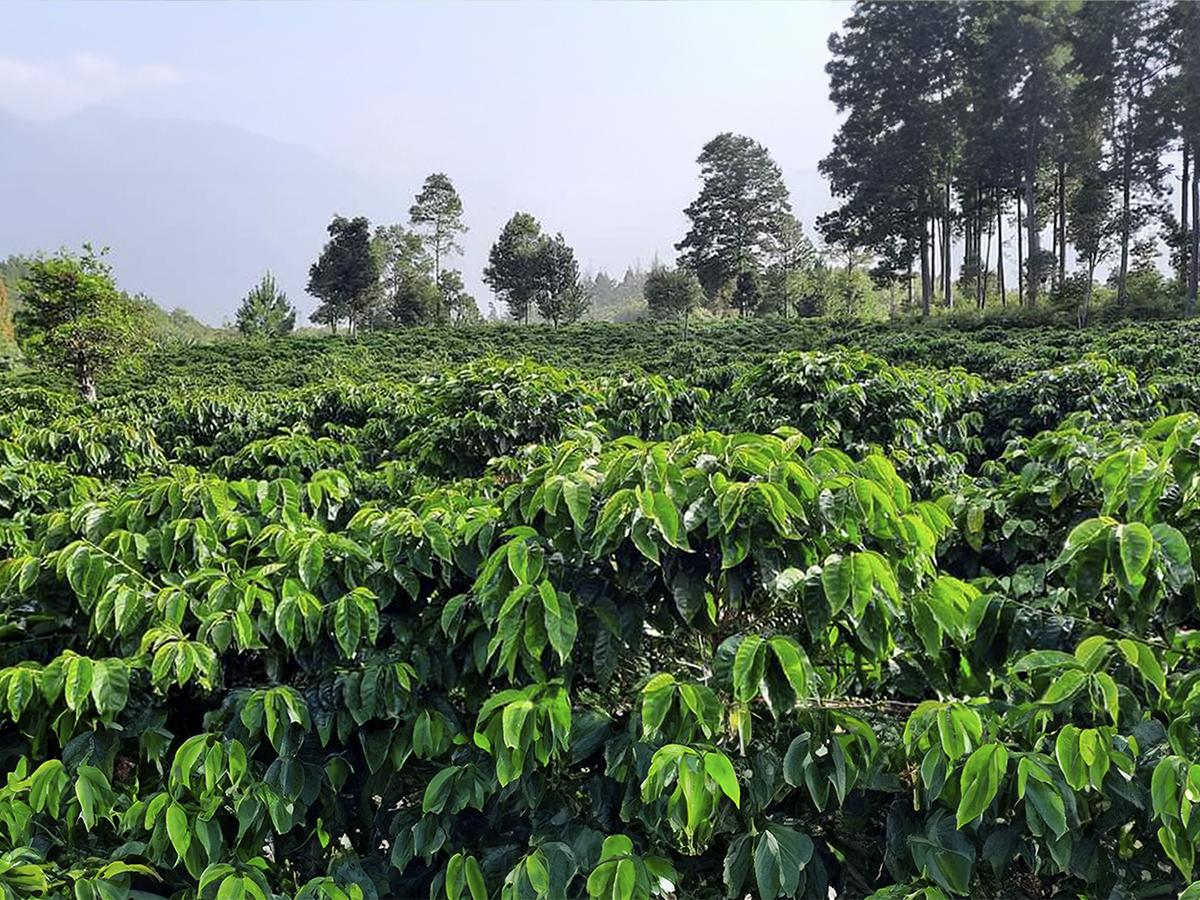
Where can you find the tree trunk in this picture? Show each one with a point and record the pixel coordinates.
(987, 255)
(1085, 311)
(787, 288)
(1062, 223)
(947, 271)
(980, 258)
(935, 252)
(1194, 250)
(926, 275)
(1054, 238)
(1186, 249)
(1000, 245)
(1020, 257)
(910, 286)
(1126, 222)
(86, 381)
(1033, 239)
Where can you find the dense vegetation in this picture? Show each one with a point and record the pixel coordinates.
(963, 120)
(393, 617)
(791, 605)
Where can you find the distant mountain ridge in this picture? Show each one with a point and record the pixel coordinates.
(193, 212)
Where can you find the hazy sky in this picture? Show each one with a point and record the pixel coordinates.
(590, 116)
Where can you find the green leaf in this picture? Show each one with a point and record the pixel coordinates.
(718, 767)
(795, 853)
(437, 792)
(561, 629)
(767, 865)
(178, 829)
(549, 599)
(666, 514)
(578, 495)
(1135, 546)
(623, 880)
(438, 539)
(310, 562)
(1064, 686)
(1142, 658)
(475, 883)
(87, 794)
(780, 856)
(657, 696)
(454, 875)
(1109, 694)
(749, 664)
(1045, 659)
(836, 581)
(347, 625)
(539, 876)
(1066, 751)
(1048, 804)
(78, 683)
(794, 663)
(518, 559)
(110, 686)
(981, 778)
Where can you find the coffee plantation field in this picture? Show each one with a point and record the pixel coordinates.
(790, 610)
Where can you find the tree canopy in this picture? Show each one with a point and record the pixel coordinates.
(738, 216)
(514, 269)
(345, 275)
(437, 215)
(265, 312)
(74, 320)
(960, 118)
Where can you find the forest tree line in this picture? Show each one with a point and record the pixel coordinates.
(979, 141)
(973, 129)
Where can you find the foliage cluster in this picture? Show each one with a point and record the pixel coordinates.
(505, 629)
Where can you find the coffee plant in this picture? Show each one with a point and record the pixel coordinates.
(806, 624)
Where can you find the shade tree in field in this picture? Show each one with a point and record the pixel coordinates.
(673, 294)
(1181, 33)
(75, 321)
(437, 216)
(533, 272)
(460, 305)
(796, 258)
(513, 264)
(560, 298)
(265, 312)
(747, 294)
(345, 276)
(406, 294)
(738, 217)
(1090, 226)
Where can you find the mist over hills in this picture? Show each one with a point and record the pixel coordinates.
(193, 212)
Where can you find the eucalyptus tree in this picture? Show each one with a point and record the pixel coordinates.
(437, 215)
(893, 75)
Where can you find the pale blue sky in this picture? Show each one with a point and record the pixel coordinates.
(590, 116)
